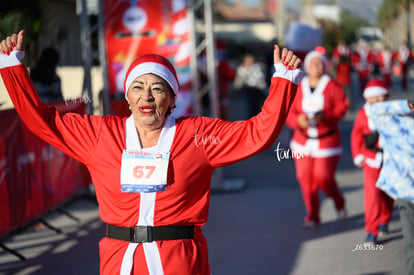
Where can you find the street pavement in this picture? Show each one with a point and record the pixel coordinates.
(253, 231)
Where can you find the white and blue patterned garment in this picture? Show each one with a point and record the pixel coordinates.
(395, 122)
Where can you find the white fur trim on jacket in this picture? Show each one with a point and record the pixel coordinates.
(291, 75)
(15, 58)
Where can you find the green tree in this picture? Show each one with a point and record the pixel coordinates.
(389, 10)
(345, 30)
(349, 25)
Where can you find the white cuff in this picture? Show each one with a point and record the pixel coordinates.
(358, 159)
(15, 58)
(291, 75)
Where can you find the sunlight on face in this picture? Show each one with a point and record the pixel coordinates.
(375, 99)
(150, 98)
(315, 67)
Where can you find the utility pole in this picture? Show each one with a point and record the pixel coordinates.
(280, 20)
(307, 13)
(408, 14)
(86, 56)
(203, 42)
(102, 59)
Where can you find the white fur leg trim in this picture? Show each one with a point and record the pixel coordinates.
(128, 259)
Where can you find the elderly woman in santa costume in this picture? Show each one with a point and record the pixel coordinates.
(316, 142)
(151, 171)
(367, 154)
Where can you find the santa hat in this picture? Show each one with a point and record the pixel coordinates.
(152, 64)
(375, 87)
(318, 52)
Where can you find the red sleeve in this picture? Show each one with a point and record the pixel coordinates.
(394, 57)
(336, 104)
(336, 55)
(235, 141)
(357, 135)
(355, 58)
(73, 134)
(295, 110)
(379, 59)
(371, 57)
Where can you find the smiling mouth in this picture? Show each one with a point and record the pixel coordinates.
(146, 109)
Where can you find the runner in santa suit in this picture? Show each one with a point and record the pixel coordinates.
(362, 60)
(384, 59)
(403, 56)
(367, 154)
(151, 172)
(318, 107)
(341, 57)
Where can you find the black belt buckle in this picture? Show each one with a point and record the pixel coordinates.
(142, 234)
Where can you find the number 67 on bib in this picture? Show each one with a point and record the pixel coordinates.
(144, 172)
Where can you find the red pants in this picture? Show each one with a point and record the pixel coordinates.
(387, 79)
(314, 174)
(404, 71)
(377, 205)
(363, 77)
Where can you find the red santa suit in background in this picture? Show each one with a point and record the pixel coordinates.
(366, 151)
(341, 58)
(403, 56)
(384, 59)
(318, 148)
(196, 146)
(226, 75)
(362, 60)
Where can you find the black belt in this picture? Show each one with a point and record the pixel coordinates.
(321, 136)
(143, 234)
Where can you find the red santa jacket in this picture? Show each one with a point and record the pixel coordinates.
(342, 58)
(324, 139)
(199, 146)
(384, 59)
(363, 61)
(403, 56)
(340, 50)
(362, 127)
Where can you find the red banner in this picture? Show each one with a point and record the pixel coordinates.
(34, 176)
(136, 27)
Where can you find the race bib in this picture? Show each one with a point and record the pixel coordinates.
(144, 171)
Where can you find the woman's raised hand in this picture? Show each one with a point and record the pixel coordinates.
(288, 58)
(12, 42)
